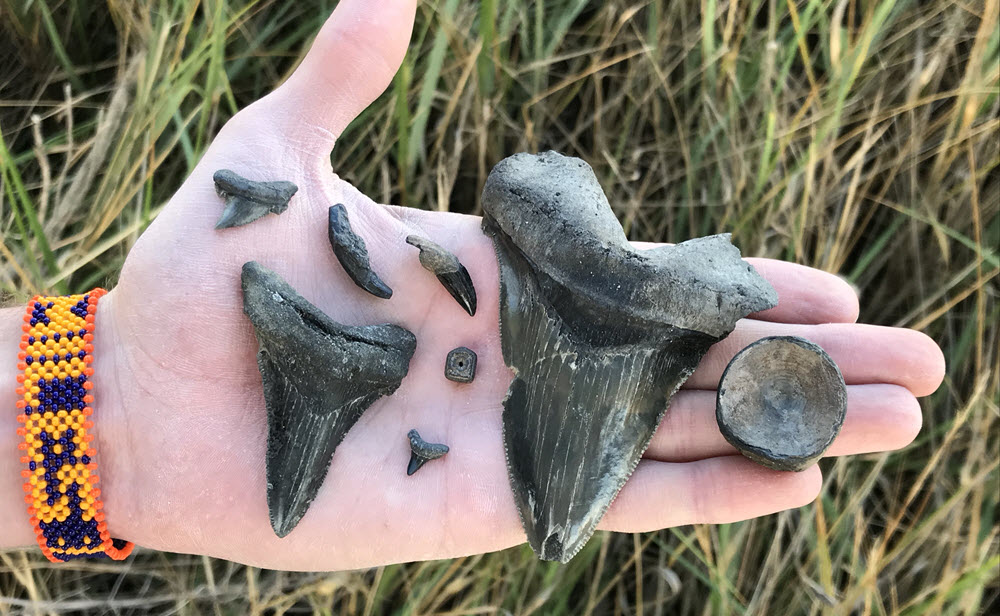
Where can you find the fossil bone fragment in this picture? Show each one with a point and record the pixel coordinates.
(599, 336)
(319, 377)
(460, 365)
(448, 269)
(781, 402)
(246, 200)
(352, 253)
(422, 452)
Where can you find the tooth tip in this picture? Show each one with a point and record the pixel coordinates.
(378, 288)
(414, 465)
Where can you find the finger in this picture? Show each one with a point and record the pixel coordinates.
(351, 62)
(864, 353)
(879, 418)
(713, 491)
(806, 294)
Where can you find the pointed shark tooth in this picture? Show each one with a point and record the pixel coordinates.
(599, 336)
(246, 200)
(319, 377)
(448, 269)
(422, 452)
(352, 253)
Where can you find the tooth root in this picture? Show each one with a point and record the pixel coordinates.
(449, 271)
(318, 378)
(422, 452)
(351, 252)
(246, 200)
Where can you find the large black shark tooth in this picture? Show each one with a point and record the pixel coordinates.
(319, 377)
(349, 247)
(449, 271)
(246, 200)
(599, 337)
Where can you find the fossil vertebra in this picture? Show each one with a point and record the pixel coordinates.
(599, 337)
(352, 253)
(421, 452)
(460, 365)
(781, 402)
(319, 377)
(246, 200)
(448, 269)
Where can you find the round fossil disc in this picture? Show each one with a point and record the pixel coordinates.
(781, 402)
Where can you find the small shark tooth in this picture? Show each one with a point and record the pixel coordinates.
(352, 253)
(319, 377)
(448, 269)
(421, 452)
(781, 402)
(599, 336)
(246, 200)
(460, 365)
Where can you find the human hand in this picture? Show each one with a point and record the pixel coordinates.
(180, 411)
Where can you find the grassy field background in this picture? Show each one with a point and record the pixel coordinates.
(855, 136)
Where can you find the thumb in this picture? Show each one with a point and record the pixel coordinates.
(351, 62)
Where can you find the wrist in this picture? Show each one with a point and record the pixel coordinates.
(111, 422)
(17, 532)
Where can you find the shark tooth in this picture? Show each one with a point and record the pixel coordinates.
(781, 402)
(319, 377)
(449, 271)
(422, 452)
(599, 336)
(352, 253)
(246, 200)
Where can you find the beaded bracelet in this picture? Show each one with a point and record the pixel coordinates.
(55, 405)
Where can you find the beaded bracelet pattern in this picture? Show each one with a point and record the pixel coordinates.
(55, 405)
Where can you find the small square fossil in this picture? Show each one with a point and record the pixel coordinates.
(460, 365)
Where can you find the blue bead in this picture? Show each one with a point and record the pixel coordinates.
(85, 459)
(32, 466)
(55, 336)
(33, 321)
(44, 338)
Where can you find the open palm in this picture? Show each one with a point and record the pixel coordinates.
(183, 425)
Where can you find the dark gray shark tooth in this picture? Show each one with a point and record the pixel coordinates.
(422, 452)
(448, 269)
(599, 337)
(781, 402)
(246, 200)
(319, 377)
(352, 253)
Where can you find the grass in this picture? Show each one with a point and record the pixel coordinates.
(859, 137)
